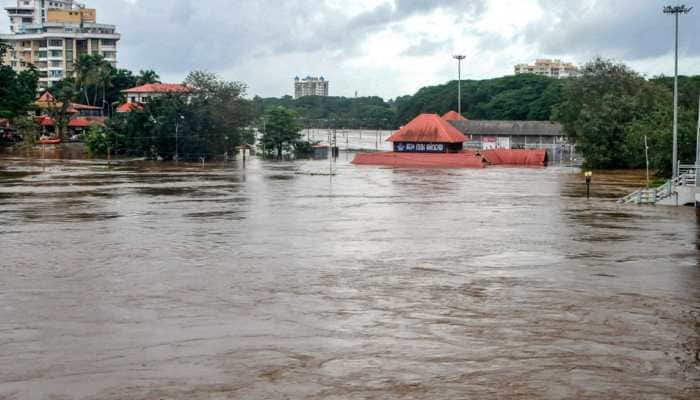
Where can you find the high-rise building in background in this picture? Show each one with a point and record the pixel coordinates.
(550, 68)
(52, 34)
(310, 86)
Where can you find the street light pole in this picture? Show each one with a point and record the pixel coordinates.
(177, 129)
(459, 59)
(676, 11)
(697, 150)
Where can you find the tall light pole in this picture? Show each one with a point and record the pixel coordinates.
(459, 59)
(676, 11)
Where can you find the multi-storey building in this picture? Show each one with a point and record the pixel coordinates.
(550, 68)
(310, 86)
(52, 34)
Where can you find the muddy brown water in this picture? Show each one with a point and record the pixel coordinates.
(150, 281)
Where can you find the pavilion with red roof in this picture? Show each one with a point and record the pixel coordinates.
(428, 133)
(432, 141)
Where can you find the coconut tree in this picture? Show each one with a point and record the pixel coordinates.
(146, 77)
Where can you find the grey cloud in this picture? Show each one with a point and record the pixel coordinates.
(627, 29)
(300, 36)
(179, 35)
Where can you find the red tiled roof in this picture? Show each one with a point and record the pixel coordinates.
(84, 107)
(453, 116)
(79, 123)
(428, 128)
(44, 121)
(46, 97)
(160, 88)
(129, 107)
(73, 123)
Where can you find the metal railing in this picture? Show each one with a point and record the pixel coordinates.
(686, 177)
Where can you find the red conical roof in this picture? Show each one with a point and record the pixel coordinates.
(428, 128)
(453, 116)
(46, 97)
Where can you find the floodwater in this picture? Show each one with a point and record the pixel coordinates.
(146, 281)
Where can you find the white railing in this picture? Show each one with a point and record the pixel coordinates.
(686, 177)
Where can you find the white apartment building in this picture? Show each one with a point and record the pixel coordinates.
(52, 34)
(310, 86)
(550, 68)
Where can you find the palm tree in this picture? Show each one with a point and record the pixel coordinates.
(83, 69)
(146, 77)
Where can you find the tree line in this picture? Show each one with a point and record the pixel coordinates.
(610, 110)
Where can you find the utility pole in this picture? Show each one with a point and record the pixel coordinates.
(459, 59)
(676, 11)
(646, 155)
(697, 150)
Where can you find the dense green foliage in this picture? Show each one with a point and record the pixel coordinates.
(281, 131)
(520, 97)
(610, 109)
(17, 90)
(211, 122)
(334, 112)
(28, 130)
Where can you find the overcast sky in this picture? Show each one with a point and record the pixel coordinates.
(388, 47)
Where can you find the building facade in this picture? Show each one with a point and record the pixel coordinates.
(52, 34)
(546, 67)
(310, 86)
(145, 93)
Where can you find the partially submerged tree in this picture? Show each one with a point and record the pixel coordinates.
(609, 110)
(210, 121)
(59, 108)
(28, 130)
(282, 130)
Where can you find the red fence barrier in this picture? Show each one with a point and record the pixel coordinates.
(442, 160)
(525, 157)
(465, 159)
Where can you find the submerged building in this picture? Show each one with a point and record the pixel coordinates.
(428, 133)
(53, 34)
(433, 141)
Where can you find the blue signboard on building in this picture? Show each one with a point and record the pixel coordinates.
(410, 147)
